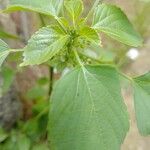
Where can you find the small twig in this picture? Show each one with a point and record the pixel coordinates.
(78, 58)
(126, 77)
(51, 78)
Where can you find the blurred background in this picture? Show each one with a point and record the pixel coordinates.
(23, 108)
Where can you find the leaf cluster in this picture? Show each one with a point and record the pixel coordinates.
(87, 109)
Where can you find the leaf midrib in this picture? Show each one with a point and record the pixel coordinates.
(93, 76)
(93, 104)
(86, 81)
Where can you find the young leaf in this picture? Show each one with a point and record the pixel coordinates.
(47, 7)
(90, 34)
(142, 103)
(87, 111)
(4, 51)
(112, 21)
(74, 7)
(43, 45)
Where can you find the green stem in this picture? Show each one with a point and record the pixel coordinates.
(51, 79)
(78, 58)
(74, 23)
(51, 69)
(125, 76)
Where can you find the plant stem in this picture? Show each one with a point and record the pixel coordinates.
(51, 78)
(125, 76)
(51, 69)
(74, 23)
(78, 58)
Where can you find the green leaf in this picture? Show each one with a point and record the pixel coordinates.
(87, 111)
(74, 8)
(3, 135)
(40, 147)
(11, 142)
(46, 7)
(8, 78)
(90, 34)
(142, 102)
(23, 142)
(31, 129)
(3, 51)
(36, 92)
(112, 21)
(43, 45)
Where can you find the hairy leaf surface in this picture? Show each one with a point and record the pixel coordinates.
(112, 21)
(3, 51)
(43, 45)
(142, 103)
(47, 7)
(87, 111)
(74, 7)
(90, 34)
